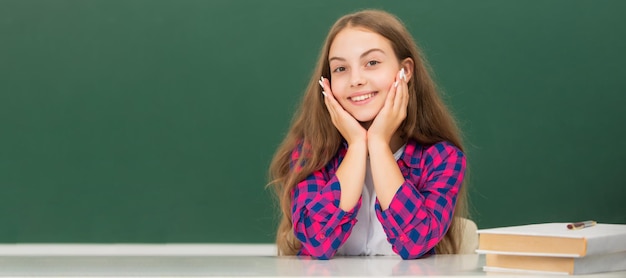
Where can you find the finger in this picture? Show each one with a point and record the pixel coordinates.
(402, 90)
(322, 85)
(338, 114)
(326, 91)
(401, 95)
(404, 102)
(325, 84)
(333, 115)
(391, 95)
(339, 110)
(332, 101)
(405, 96)
(335, 109)
(328, 99)
(329, 106)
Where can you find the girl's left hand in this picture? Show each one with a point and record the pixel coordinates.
(393, 112)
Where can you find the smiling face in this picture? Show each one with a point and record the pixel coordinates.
(363, 67)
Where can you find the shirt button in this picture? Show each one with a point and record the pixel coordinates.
(402, 238)
(322, 237)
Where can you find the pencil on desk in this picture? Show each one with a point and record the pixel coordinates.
(581, 225)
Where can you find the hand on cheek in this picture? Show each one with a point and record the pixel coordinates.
(392, 113)
(347, 125)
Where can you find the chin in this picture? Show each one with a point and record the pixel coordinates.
(365, 118)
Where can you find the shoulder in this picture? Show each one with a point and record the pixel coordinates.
(437, 153)
(303, 151)
(443, 149)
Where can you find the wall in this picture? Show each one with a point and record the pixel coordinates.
(155, 121)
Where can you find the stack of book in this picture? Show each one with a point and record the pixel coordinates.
(553, 248)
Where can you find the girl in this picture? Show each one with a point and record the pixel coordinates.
(373, 162)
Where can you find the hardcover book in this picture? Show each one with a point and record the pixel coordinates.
(556, 265)
(552, 239)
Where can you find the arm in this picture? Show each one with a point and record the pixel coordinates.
(351, 172)
(351, 175)
(386, 174)
(319, 221)
(421, 211)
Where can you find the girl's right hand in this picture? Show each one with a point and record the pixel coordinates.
(347, 125)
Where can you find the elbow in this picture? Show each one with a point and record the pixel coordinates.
(410, 250)
(415, 246)
(417, 253)
(407, 255)
(320, 253)
(321, 250)
(322, 257)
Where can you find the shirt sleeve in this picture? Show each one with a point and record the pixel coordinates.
(318, 222)
(421, 211)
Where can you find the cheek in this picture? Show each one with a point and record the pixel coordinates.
(382, 79)
(388, 80)
(383, 84)
(337, 86)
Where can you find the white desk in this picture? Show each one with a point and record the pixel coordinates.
(133, 264)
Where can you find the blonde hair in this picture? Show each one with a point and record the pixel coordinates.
(428, 121)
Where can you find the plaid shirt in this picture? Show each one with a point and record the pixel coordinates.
(417, 218)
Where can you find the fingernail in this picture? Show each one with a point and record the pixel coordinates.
(321, 83)
(402, 75)
(324, 93)
(395, 84)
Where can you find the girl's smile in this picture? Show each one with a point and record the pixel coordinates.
(362, 98)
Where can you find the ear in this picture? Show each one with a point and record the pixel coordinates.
(408, 65)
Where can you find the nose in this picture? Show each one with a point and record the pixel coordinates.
(357, 78)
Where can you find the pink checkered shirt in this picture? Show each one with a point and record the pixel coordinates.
(417, 218)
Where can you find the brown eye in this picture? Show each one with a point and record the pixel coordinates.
(372, 63)
(339, 69)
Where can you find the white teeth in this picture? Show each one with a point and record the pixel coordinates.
(362, 97)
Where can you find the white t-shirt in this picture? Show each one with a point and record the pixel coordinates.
(368, 237)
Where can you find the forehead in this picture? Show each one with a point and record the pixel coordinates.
(352, 42)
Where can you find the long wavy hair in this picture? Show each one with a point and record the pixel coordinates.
(428, 121)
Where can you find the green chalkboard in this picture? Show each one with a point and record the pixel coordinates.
(155, 120)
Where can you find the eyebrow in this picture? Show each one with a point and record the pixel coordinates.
(362, 55)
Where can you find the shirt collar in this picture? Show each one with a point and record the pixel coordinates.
(410, 156)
